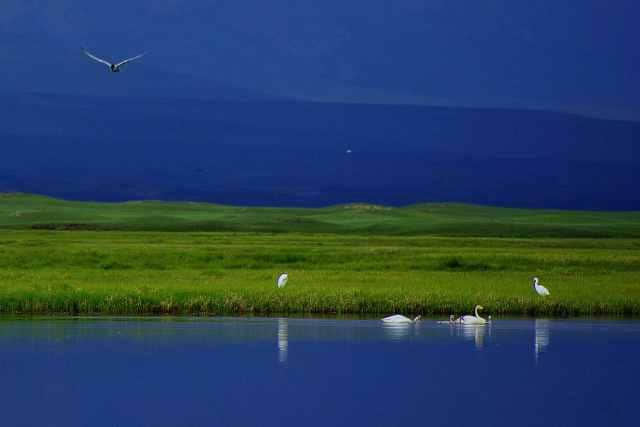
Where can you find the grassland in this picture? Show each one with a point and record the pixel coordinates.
(97, 258)
(88, 272)
(22, 211)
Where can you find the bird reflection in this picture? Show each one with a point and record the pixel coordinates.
(397, 331)
(475, 333)
(283, 339)
(541, 341)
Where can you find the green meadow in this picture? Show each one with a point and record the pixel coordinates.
(59, 257)
(23, 211)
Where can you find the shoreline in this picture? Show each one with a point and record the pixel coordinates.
(441, 320)
(251, 303)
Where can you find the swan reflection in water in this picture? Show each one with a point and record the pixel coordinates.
(541, 341)
(397, 331)
(469, 331)
(475, 333)
(283, 339)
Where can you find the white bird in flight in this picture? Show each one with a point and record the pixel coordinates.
(115, 68)
(541, 290)
(399, 318)
(282, 280)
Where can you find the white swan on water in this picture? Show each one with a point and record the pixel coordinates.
(399, 318)
(473, 320)
(541, 290)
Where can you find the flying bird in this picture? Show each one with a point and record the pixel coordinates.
(115, 68)
(282, 280)
(541, 290)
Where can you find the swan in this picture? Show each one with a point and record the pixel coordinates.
(115, 68)
(473, 320)
(541, 290)
(399, 318)
(282, 280)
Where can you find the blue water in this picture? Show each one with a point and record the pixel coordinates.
(304, 372)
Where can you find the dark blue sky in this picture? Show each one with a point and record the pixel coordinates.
(219, 110)
(551, 54)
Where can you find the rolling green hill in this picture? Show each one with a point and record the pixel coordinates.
(24, 211)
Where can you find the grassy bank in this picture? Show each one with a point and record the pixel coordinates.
(22, 211)
(109, 272)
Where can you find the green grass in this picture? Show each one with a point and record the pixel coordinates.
(207, 273)
(22, 211)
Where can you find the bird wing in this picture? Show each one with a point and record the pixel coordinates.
(541, 290)
(282, 280)
(95, 58)
(126, 61)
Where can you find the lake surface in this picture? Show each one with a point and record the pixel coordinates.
(317, 372)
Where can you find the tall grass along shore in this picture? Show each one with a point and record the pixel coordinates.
(209, 273)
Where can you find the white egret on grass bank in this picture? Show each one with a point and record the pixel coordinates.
(541, 290)
(115, 67)
(399, 318)
(282, 280)
(473, 320)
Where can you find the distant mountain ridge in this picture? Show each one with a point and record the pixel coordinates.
(292, 153)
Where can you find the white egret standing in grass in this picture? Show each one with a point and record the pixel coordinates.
(541, 290)
(282, 280)
(114, 67)
(399, 318)
(474, 320)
